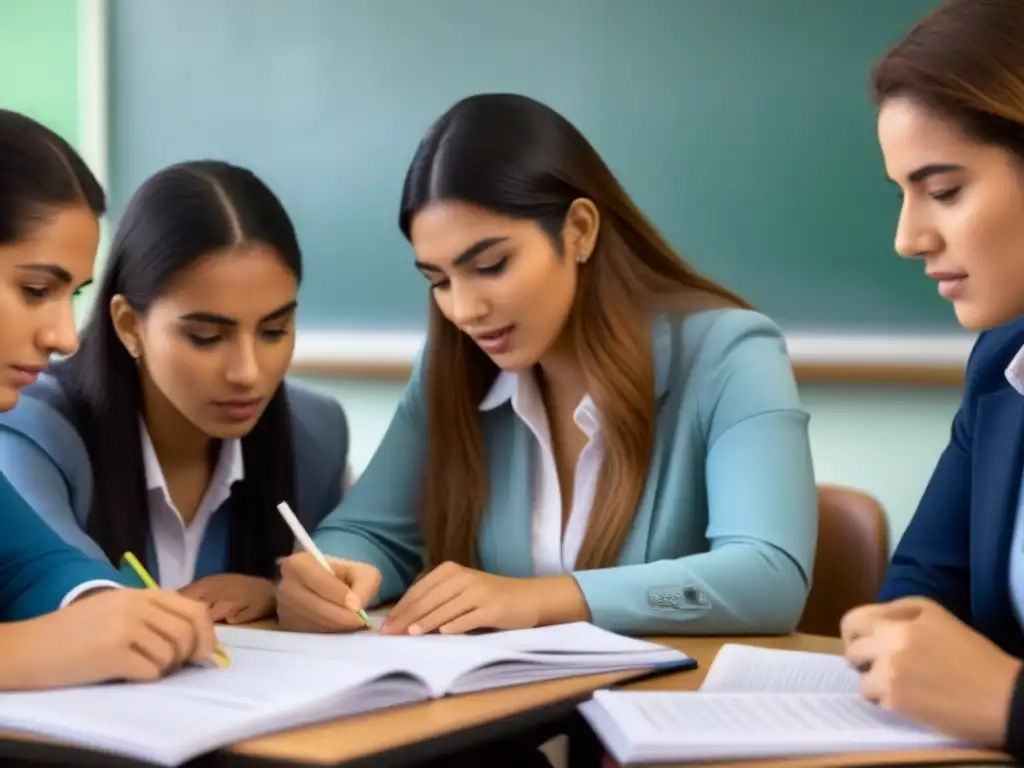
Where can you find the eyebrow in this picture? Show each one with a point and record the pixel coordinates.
(51, 269)
(926, 171)
(467, 255)
(215, 319)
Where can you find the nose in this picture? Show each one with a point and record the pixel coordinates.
(915, 238)
(468, 306)
(59, 335)
(243, 370)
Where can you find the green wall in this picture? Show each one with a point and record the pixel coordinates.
(39, 62)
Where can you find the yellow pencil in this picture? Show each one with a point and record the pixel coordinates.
(220, 656)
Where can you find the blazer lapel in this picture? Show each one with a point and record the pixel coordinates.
(999, 468)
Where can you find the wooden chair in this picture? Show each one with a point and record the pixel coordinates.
(853, 552)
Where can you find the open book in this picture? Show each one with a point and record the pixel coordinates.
(280, 680)
(754, 702)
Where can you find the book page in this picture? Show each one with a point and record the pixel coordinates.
(201, 708)
(672, 726)
(576, 638)
(744, 668)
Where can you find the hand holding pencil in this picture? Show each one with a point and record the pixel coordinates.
(322, 594)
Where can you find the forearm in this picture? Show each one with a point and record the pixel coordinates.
(559, 600)
(25, 664)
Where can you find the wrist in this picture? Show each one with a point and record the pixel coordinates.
(559, 600)
(25, 663)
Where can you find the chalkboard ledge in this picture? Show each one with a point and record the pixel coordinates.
(922, 360)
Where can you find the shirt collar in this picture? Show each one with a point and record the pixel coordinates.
(521, 389)
(229, 470)
(1015, 371)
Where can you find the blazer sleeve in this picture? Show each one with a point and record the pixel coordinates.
(43, 484)
(377, 522)
(762, 514)
(38, 570)
(932, 558)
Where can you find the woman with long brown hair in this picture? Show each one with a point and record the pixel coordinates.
(594, 431)
(944, 645)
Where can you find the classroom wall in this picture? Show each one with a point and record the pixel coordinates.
(884, 440)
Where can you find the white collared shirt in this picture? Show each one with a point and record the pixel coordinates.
(553, 553)
(176, 543)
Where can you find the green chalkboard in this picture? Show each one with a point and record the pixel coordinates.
(39, 62)
(742, 127)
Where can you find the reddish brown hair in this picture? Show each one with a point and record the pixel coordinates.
(965, 61)
(515, 156)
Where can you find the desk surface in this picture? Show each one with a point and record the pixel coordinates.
(375, 733)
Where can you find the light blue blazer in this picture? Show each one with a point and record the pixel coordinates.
(723, 540)
(43, 456)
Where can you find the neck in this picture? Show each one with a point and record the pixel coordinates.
(560, 377)
(176, 440)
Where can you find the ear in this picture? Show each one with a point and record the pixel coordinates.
(126, 325)
(579, 234)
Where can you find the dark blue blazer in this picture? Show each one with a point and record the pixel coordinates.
(956, 549)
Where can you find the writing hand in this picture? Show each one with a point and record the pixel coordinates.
(112, 634)
(454, 599)
(920, 661)
(309, 599)
(233, 597)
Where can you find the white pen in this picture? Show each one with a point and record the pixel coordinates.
(306, 542)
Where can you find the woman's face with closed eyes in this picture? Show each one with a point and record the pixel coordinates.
(500, 280)
(962, 213)
(216, 346)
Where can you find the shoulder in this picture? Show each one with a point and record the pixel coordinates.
(719, 339)
(732, 364)
(43, 414)
(313, 409)
(319, 426)
(990, 357)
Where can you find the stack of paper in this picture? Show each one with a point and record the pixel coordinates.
(279, 680)
(755, 702)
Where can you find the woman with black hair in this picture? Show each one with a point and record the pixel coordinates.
(171, 432)
(50, 204)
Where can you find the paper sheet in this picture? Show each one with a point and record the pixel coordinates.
(744, 668)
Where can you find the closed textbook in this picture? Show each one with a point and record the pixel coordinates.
(754, 703)
(279, 680)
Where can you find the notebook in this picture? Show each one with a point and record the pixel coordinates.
(279, 680)
(755, 702)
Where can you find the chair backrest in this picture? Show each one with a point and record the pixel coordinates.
(853, 552)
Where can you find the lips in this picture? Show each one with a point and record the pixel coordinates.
(26, 374)
(497, 341)
(951, 284)
(239, 409)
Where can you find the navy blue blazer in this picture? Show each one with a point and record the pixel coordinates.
(956, 549)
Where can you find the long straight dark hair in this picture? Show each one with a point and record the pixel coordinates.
(177, 217)
(39, 171)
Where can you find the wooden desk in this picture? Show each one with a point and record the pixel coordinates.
(407, 734)
(403, 736)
